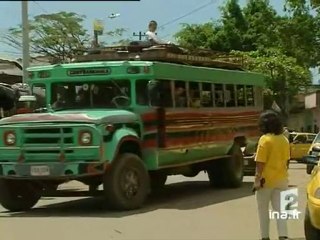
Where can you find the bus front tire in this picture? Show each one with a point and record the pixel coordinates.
(17, 196)
(126, 185)
(311, 233)
(227, 172)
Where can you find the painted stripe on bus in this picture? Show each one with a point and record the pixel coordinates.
(187, 138)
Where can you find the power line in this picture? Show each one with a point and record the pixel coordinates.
(10, 52)
(42, 9)
(189, 13)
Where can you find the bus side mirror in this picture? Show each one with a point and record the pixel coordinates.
(154, 93)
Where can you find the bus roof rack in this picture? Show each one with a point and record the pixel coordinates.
(163, 53)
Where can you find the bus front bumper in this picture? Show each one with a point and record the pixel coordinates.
(51, 170)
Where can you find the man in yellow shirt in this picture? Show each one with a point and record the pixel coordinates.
(273, 154)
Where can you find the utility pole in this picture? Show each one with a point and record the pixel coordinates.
(140, 35)
(25, 40)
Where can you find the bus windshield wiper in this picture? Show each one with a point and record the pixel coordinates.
(41, 110)
(63, 108)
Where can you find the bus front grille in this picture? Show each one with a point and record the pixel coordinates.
(48, 136)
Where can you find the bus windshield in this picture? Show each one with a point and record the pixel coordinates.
(96, 94)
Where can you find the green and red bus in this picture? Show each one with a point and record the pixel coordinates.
(127, 125)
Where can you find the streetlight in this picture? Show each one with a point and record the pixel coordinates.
(98, 27)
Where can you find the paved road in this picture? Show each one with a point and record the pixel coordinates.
(186, 209)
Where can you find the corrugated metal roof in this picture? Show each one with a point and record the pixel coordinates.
(10, 61)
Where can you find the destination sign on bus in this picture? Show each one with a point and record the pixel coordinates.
(89, 71)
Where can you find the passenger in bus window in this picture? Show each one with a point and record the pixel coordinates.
(206, 95)
(230, 96)
(60, 102)
(240, 96)
(194, 98)
(180, 98)
(250, 96)
(81, 98)
(96, 96)
(219, 95)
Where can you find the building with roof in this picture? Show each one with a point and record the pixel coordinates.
(11, 69)
(305, 116)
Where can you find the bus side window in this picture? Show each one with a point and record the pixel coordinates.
(142, 92)
(219, 95)
(230, 95)
(180, 96)
(194, 94)
(241, 96)
(250, 96)
(206, 95)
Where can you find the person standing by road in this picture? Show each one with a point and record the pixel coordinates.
(273, 154)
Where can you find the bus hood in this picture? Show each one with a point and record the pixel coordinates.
(89, 116)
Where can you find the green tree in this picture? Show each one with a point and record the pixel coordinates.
(284, 76)
(245, 30)
(196, 35)
(262, 22)
(298, 38)
(59, 35)
(224, 35)
(298, 32)
(234, 26)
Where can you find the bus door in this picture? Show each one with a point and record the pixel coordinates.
(160, 97)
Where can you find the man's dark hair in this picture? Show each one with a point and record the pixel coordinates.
(270, 122)
(153, 22)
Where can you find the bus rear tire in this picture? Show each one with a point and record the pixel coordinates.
(228, 172)
(16, 195)
(126, 185)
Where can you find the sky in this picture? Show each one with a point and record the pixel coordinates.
(134, 15)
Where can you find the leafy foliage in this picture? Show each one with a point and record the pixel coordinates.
(281, 47)
(262, 23)
(58, 35)
(284, 77)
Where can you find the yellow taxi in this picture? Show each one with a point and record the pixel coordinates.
(312, 215)
(313, 153)
(300, 144)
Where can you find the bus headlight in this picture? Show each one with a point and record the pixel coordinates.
(85, 138)
(9, 138)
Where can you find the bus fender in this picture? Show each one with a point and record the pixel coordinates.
(119, 139)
